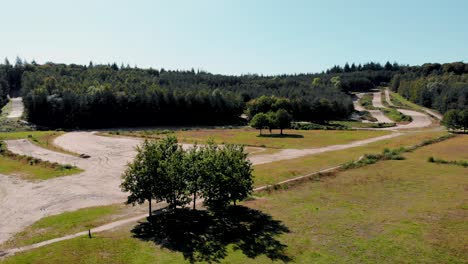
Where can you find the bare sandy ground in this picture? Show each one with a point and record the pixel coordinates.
(357, 105)
(377, 100)
(17, 108)
(23, 202)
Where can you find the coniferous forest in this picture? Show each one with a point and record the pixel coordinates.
(92, 96)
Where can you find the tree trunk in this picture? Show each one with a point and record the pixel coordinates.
(194, 200)
(149, 207)
(281, 131)
(260, 131)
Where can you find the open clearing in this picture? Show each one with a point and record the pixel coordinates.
(97, 185)
(381, 213)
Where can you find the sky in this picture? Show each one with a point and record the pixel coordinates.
(235, 37)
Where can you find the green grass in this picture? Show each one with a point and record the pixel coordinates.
(356, 124)
(24, 134)
(396, 116)
(67, 223)
(298, 139)
(38, 171)
(401, 102)
(5, 110)
(24, 170)
(395, 211)
(272, 173)
(41, 138)
(366, 101)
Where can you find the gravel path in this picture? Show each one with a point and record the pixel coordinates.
(377, 100)
(17, 108)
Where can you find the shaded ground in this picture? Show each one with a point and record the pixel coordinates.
(203, 236)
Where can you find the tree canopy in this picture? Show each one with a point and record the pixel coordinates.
(163, 171)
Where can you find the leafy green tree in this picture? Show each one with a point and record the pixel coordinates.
(463, 115)
(156, 173)
(283, 119)
(452, 119)
(195, 171)
(259, 121)
(228, 178)
(139, 178)
(272, 121)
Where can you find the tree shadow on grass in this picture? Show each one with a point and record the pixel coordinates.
(203, 236)
(281, 136)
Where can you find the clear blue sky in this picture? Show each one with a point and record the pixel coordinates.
(234, 37)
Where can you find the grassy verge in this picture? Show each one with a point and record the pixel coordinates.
(463, 163)
(366, 101)
(356, 124)
(69, 223)
(43, 139)
(298, 139)
(381, 213)
(396, 116)
(401, 102)
(30, 168)
(272, 173)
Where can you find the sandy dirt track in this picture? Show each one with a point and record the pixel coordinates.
(17, 108)
(23, 202)
(377, 100)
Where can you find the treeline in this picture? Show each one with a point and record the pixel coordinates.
(438, 86)
(69, 96)
(10, 79)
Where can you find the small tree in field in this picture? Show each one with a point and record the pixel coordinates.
(283, 119)
(452, 119)
(155, 174)
(272, 121)
(139, 179)
(228, 178)
(259, 121)
(464, 119)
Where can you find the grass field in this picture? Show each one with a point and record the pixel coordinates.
(298, 139)
(282, 170)
(396, 116)
(401, 102)
(405, 211)
(366, 101)
(24, 170)
(356, 124)
(70, 222)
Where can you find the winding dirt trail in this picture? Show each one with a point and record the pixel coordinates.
(17, 108)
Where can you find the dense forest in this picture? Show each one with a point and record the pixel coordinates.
(438, 86)
(69, 96)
